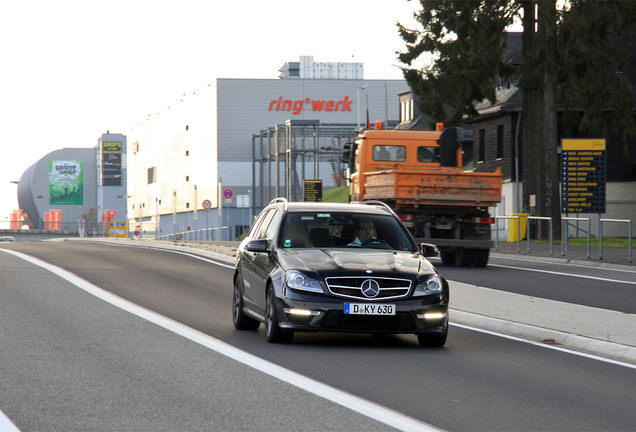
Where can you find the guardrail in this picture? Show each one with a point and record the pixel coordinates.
(551, 234)
(564, 233)
(600, 235)
(518, 231)
(205, 234)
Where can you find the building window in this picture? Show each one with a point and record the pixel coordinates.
(187, 152)
(187, 205)
(481, 146)
(187, 178)
(406, 111)
(159, 202)
(187, 127)
(152, 175)
(500, 142)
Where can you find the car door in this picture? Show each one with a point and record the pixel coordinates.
(264, 264)
(244, 263)
(252, 283)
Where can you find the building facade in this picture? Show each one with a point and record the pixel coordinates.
(194, 165)
(76, 184)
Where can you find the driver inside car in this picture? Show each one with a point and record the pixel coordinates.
(365, 231)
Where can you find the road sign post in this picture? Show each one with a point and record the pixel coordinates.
(207, 204)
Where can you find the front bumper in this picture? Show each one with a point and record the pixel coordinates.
(312, 313)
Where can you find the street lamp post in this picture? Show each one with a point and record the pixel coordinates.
(39, 205)
(141, 229)
(251, 218)
(156, 217)
(358, 100)
(195, 215)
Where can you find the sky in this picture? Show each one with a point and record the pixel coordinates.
(72, 70)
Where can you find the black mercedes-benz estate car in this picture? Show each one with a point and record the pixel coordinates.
(337, 267)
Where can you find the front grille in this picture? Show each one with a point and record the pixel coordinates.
(351, 287)
(339, 320)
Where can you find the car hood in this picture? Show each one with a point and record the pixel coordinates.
(332, 262)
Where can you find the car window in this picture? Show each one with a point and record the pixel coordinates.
(262, 228)
(342, 230)
(270, 232)
(257, 223)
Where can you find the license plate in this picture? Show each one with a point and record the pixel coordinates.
(369, 309)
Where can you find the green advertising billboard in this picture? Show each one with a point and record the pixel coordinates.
(66, 182)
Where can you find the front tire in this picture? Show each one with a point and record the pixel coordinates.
(272, 324)
(432, 340)
(240, 320)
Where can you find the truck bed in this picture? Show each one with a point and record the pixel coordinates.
(434, 187)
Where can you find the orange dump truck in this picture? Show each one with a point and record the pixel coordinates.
(420, 176)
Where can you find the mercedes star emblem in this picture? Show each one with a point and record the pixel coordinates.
(370, 288)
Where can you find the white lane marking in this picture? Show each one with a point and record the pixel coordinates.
(567, 263)
(6, 425)
(172, 251)
(564, 274)
(544, 345)
(357, 404)
(195, 256)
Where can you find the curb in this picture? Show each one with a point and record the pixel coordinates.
(619, 352)
(587, 263)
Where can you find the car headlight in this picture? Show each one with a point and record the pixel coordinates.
(431, 286)
(299, 281)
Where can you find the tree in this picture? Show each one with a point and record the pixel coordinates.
(465, 40)
(570, 57)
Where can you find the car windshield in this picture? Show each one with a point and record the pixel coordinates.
(343, 230)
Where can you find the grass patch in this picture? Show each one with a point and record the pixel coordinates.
(610, 242)
(336, 195)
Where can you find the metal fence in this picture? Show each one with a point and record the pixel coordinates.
(206, 234)
(600, 235)
(565, 225)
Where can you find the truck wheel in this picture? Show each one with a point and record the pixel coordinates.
(481, 257)
(464, 257)
(448, 257)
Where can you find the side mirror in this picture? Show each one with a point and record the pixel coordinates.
(428, 250)
(346, 152)
(257, 246)
(449, 142)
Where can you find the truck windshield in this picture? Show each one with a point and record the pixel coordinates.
(342, 230)
(389, 153)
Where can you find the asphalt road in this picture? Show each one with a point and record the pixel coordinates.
(100, 363)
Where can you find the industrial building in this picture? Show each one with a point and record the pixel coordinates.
(216, 156)
(76, 186)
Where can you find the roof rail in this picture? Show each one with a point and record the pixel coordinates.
(279, 200)
(378, 203)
